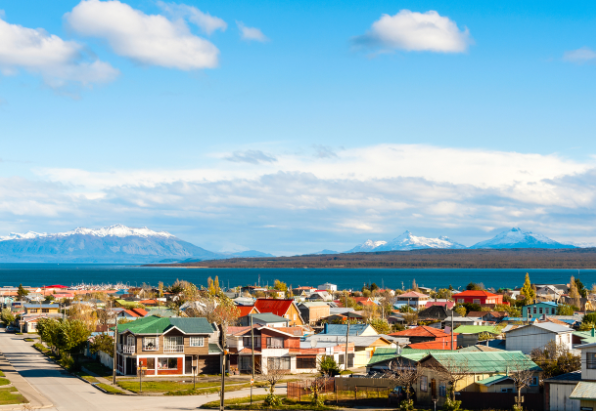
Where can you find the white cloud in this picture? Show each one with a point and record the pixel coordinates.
(204, 21)
(251, 33)
(59, 62)
(251, 157)
(582, 55)
(413, 31)
(146, 39)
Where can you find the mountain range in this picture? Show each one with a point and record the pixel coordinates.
(121, 244)
(114, 244)
(513, 238)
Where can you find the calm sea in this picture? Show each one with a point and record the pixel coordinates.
(70, 274)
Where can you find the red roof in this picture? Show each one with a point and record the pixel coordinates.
(474, 293)
(277, 307)
(448, 304)
(246, 309)
(413, 294)
(439, 344)
(421, 331)
(139, 311)
(55, 286)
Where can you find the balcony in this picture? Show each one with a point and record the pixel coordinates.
(126, 349)
(173, 348)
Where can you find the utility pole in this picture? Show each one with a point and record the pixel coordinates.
(347, 337)
(223, 370)
(252, 348)
(115, 359)
(451, 330)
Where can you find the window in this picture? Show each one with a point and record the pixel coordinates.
(130, 340)
(197, 341)
(282, 363)
(150, 363)
(245, 363)
(247, 341)
(540, 310)
(476, 301)
(442, 389)
(150, 343)
(505, 390)
(534, 310)
(534, 382)
(273, 342)
(424, 383)
(167, 363)
(460, 300)
(33, 310)
(591, 360)
(45, 310)
(306, 362)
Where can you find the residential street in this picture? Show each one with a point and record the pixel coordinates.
(68, 393)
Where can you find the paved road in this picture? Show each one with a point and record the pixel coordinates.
(68, 393)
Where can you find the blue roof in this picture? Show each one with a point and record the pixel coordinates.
(549, 303)
(341, 329)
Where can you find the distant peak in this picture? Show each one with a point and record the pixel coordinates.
(116, 230)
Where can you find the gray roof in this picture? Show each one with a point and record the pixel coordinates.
(552, 327)
(42, 305)
(267, 317)
(359, 341)
(313, 304)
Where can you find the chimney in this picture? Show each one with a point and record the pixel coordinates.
(593, 331)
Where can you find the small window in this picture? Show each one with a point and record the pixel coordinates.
(534, 310)
(476, 301)
(168, 363)
(506, 390)
(424, 383)
(460, 300)
(150, 363)
(197, 341)
(540, 312)
(150, 343)
(534, 382)
(591, 360)
(442, 389)
(275, 342)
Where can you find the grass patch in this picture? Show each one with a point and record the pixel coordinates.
(86, 377)
(168, 386)
(110, 389)
(244, 404)
(19, 333)
(40, 347)
(4, 381)
(2, 374)
(99, 369)
(29, 340)
(11, 395)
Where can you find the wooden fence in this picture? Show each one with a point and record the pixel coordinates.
(499, 401)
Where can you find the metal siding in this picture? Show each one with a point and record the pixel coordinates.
(559, 398)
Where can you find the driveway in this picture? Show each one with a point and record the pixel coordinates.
(68, 393)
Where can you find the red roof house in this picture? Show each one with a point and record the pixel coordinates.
(246, 310)
(283, 308)
(478, 297)
(425, 335)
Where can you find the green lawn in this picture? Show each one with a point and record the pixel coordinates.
(244, 404)
(4, 381)
(110, 389)
(1, 374)
(165, 386)
(11, 395)
(98, 369)
(29, 340)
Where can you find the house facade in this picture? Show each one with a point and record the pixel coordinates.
(283, 308)
(413, 299)
(313, 311)
(537, 335)
(539, 309)
(478, 297)
(168, 346)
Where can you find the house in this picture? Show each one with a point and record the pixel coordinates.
(557, 392)
(481, 297)
(549, 293)
(328, 286)
(275, 294)
(583, 337)
(244, 310)
(537, 335)
(496, 316)
(470, 334)
(278, 347)
(264, 319)
(425, 334)
(313, 311)
(252, 289)
(283, 308)
(441, 302)
(29, 322)
(413, 299)
(355, 329)
(539, 309)
(434, 313)
(364, 346)
(168, 346)
(41, 308)
(303, 291)
(320, 295)
(132, 314)
(457, 321)
(486, 373)
(342, 318)
(364, 301)
(585, 390)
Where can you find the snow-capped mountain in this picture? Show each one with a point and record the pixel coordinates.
(516, 238)
(406, 241)
(114, 244)
(323, 252)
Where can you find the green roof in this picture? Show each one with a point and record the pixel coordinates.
(386, 354)
(585, 336)
(214, 349)
(157, 325)
(487, 362)
(493, 380)
(584, 391)
(268, 317)
(477, 329)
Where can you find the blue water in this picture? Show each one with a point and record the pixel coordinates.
(69, 274)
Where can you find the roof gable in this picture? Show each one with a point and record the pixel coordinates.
(277, 307)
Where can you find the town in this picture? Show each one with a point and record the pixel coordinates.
(285, 347)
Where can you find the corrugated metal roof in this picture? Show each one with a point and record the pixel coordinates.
(476, 329)
(584, 391)
(493, 380)
(157, 325)
(570, 376)
(341, 329)
(487, 362)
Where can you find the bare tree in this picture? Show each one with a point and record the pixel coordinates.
(521, 371)
(410, 318)
(317, 386)
(452, 371)
(275, 373)
(404, 374)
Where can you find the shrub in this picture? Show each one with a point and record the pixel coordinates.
(451, 405)
(273, 401)
(406, 405)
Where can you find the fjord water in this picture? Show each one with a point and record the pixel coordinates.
(37, 275)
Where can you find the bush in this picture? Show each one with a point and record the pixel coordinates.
(273, 400)
(328, 366)
(566, 309)
(406, 405)
(451, 405)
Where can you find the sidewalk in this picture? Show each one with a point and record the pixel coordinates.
(36, 399)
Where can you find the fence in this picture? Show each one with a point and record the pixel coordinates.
(300, 389)
(502, 401)
(342, 390)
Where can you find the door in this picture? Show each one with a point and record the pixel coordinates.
(188, 365)
(433, 388)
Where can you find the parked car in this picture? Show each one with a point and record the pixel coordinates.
(397, 395)
(11, 329)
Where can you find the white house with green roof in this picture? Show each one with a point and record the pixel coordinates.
(168, 346)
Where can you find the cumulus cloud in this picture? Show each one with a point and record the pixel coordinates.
(251, 157)
(204, 21)
(145, 39)
(413, 31)
(322, 151)
(251, 33)
(582, 55)
(59, 62)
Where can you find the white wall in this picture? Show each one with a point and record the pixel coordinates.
(528, 338)
(587, 374)
(559, 398)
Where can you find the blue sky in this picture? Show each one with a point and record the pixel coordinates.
(320, 125)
